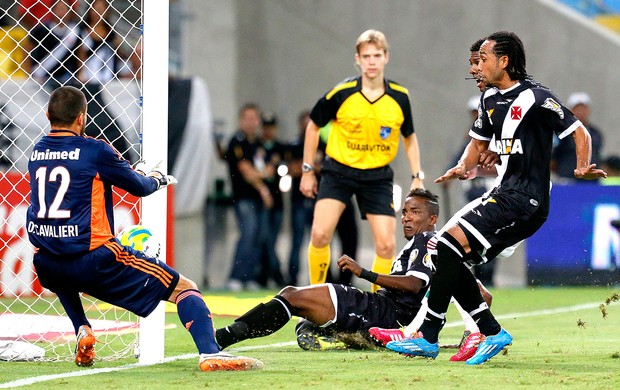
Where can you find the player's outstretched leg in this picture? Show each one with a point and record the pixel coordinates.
(196, 317)
(85, 347)
(415, 346)
(490, 346)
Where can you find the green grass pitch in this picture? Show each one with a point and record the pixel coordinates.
(556, 344)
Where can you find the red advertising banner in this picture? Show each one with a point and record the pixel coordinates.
(17, 275)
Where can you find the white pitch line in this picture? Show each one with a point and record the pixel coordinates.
(44, 378)
(536, 313)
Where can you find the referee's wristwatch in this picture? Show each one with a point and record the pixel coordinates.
(306, 167)
(419, 175)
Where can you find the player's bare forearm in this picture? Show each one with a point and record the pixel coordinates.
(405, 283)
(583, 151)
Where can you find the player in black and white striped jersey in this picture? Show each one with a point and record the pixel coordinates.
(522, 116)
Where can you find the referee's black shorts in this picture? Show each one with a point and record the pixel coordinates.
(373, 188)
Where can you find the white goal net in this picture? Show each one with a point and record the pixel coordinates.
(95, 45)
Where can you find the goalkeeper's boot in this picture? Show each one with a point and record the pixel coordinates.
(415, 346)
(468, 347)
(312, 337)
(85, 346)
(490, 346)
(222, 361)
(383, 336)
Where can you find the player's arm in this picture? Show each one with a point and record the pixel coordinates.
(467, 162)
(117, 171)
(404, 283)
(309, 185)
(412, 150)
(583, 150)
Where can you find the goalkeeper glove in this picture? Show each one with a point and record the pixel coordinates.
(162, 180)
(142, 167)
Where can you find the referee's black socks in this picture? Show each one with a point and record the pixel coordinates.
(262, 320)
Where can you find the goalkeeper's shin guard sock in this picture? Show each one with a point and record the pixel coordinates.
(382, 266)
(318, 263)
(196, 318)
(72, 304)
(262, 320)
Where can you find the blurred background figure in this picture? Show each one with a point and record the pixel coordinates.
(246, 163)
(101, 53)
(563, 160)
(33, 12)
(101, 62)
(14, 48)
(611, 165)
(301, 207)
(56, 41)
(271, 219)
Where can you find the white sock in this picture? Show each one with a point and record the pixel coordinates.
(413, 327)
(470, 324)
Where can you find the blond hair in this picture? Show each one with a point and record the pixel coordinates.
(375, 37)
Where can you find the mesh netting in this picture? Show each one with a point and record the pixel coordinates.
(94, 45)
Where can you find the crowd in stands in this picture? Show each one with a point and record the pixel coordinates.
(58, 42)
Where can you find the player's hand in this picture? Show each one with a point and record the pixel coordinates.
(345, 263)
(471, 174)
(590, 172)
(488, 159)
(162, 180)
(309, 185)
(452, 173)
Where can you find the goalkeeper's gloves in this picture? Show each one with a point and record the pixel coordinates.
(143, 168)
(162, 180)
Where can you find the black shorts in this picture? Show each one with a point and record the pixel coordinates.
(112, 273)
(360, 310)
(373, 188)
(498, 222)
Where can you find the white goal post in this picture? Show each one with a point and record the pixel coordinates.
(155, 148)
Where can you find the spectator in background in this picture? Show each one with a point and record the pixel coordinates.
(246, 162)
(301, 207)
(611, 165)
(33, 12)
(271, 219)
(54, 58)
(100, 53)
(14, 48)
(101, 62)
(563, 160)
